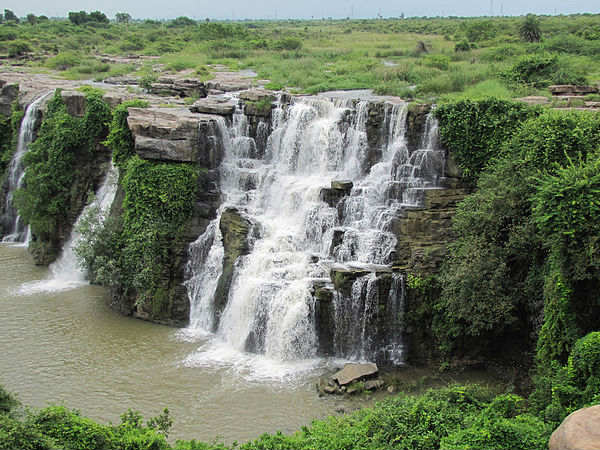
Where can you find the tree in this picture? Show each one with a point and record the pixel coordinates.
(31, 19)
(122, 17)
(98, 16)
(9, 15)
(530, 29)
(78, 18)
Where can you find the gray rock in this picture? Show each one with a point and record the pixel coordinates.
(579, 431)
(355, 372)
(257, 95)
(8, 94)
(373, 385)
(75, 102)
(214, 104)
(171, 134)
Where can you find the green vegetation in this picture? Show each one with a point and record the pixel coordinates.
(9, 134)
(134, 251)
(414, 57)
(63, 145)
(456, 417)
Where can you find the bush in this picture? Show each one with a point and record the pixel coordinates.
(521, 432)
(120, 139)
(70, 430)
(584, 361)
(18, 48)
(22, 436)
(7, 401)
(64, 61)
(474, 131)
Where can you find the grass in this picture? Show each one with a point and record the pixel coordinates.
(319, 55)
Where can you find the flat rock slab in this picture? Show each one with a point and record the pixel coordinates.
(214, 104)
(579, 431)
(354, 372)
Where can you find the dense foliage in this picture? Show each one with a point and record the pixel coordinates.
(9, 133)
(64, 142)
(456, 417)
(120, 139)
(133, 252)
(473, 131)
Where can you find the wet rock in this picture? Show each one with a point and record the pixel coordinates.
(214, 104)
(235, 229)
(342, 185)
(338, 190)
(355, 372)
(580, 430)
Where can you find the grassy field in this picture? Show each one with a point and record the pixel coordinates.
(412, 58)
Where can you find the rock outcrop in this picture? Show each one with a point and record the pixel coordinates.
(579, 431)
(214, 104)
(9, 93)
(235, 229)
(175, 134)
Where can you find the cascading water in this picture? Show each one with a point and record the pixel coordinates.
(65, 271)
(270, 306)
(16, 171)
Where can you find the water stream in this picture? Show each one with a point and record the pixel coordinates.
(268, 325)
(16, 170)
(65, 272)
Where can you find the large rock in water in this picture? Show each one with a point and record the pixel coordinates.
(235, 229)
(355, 372)
(579, 431)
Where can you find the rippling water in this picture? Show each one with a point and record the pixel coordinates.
(68, 347)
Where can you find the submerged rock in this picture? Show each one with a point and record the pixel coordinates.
(580, 430)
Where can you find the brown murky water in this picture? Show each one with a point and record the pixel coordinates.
(67, 347)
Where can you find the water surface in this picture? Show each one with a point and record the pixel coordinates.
(67, 347)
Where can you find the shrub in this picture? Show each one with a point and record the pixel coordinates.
(120, 139)
(530, 30)
(18, 48)
(18, 435)
(584, 361)
(64, 61)
(69, 429)
(7, 401)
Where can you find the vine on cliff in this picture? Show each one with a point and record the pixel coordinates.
(45, 200)
(474, 131)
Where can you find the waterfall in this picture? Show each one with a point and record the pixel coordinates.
(270, 310)
(65, 272)
(16, 171)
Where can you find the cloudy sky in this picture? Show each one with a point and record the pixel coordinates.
(281, 9)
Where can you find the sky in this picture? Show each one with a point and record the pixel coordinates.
(300, 9)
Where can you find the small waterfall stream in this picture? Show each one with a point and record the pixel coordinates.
(270, 309)
(16, 171)
(65, 272)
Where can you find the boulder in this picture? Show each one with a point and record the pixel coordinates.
(342, 185)
(355, 372)
(214, 104)
(579, 431)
